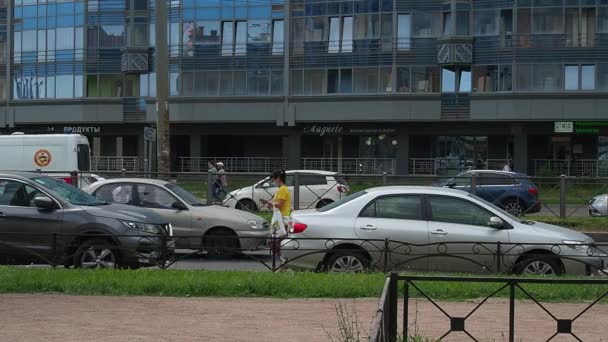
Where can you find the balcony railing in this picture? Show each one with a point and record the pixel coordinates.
(576, 168)
(109, 163)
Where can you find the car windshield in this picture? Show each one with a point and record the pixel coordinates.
(67, 192)
(495, 207)
(342, 201)
(184, 195)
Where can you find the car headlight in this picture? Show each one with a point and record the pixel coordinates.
(257, 224)
(143, 227)
(578, 245)
(601, 200)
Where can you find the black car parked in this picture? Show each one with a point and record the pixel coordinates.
(45, 220)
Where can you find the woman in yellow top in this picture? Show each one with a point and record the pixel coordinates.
(282, 201)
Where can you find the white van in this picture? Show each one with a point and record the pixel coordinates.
(53, 154)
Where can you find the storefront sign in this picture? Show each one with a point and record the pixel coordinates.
(78, 129)
(338, 130)
(564, 127)
(590, 127)
(323, 130)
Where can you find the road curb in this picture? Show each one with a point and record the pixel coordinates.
(598, 236)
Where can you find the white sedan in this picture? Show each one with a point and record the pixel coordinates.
(432, 229)
(317, 189)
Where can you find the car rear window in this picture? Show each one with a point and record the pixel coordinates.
(342, 201)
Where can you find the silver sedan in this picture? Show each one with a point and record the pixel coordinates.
(216, 229)
(432, 229)
(598, 206)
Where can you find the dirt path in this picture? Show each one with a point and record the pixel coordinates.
(83, 318)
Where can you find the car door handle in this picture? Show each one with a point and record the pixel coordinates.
(439, 232)
(368, 227)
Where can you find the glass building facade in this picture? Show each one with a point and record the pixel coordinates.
(485, 73)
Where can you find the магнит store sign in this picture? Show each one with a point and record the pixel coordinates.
(338, 130)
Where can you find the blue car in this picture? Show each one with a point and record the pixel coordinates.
(511, 191)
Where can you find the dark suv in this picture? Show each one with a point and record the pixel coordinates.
(45, 220)
(511, 191)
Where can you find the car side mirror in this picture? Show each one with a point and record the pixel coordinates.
(496, 222)
(178, 206)
(451, 184)
(265, 185)
(44, 202)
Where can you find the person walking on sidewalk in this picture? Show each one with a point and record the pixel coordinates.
(281, 201)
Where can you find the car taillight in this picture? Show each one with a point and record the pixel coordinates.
(533, 192)
(342, 189)
(68, 180)
(297, 228)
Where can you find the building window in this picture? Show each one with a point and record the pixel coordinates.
(602, 19)
(347, 34)
(207, 33)
(366, 80)
(462, 23)
(386, 79)
(297, 82)
(485, 23)
(340, 35)
(548, 20)
(403, 80)
(227, 38)
(258, 82)
(456, 80)
(579, 77)
(580, 27)
(492, 78)
(240, 47)
(546, 77)
(447, 24)
(524, 77)
(367, 26)
(602, 76)
(426, 25)
(316, 29)
(387, 32)
(206, 83)
(404, 31)
(276, 82)
(278, 31)
(425, 79)
(339, 81)
(506, 28)
(314, 82)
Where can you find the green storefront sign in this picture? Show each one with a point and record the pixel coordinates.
(591, 127)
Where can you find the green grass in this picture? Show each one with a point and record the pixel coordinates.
(175, 283)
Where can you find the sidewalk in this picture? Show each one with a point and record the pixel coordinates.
(26, 317)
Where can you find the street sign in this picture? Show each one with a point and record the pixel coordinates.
(564, 127)
(149, 134)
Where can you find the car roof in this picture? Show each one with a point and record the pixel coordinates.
(400, 189)
(318, 172)
(498, 172)
(19, 174)
(133, 180)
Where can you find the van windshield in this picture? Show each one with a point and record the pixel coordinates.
(84, 157)
(67, 192)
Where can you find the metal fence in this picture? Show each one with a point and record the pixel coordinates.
(575, 168)
(357, 166)
(385, 326)
(104, 164)
(233, 164)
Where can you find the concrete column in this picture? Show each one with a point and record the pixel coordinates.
(96, 146)
(520, 153)
(119, 148)
(195, 146)
(340, 154)
(403, 154)
(294, 151)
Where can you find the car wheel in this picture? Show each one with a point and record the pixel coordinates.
(541, 265)
(323, 203)
(246, 205)
(96, 253)
(221, 243)
(347, 262)
(512, 206)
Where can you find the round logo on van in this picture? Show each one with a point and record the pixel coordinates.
(42, 158)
